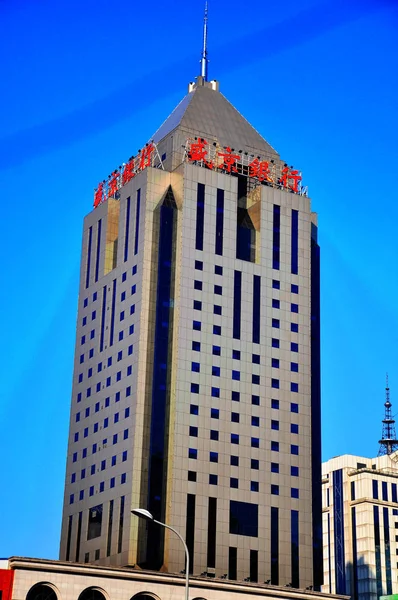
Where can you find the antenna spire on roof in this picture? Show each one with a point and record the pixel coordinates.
(204, 61)
(388, 442)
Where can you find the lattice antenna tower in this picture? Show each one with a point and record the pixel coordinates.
(204, 61)
(388, 442)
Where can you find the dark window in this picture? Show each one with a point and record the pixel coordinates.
(219, 222)
(293, 347)
(195, 366)
(197, 305)
(198, 285)
(294, 367)
(294, 327)
(275, 490)
(193, 453)
(235, 396)
(375, 489)
(194, 388)
(215, 371)
(274, 467)
(256, 309)
(94, 522)
(254, 486)
(294, 242)
(255, 442)
(232, 563)
(213, 479)
(191, 476)
(294, 308)
(294, 428)
(294, 387)
(275, 363)
(275, 383)
(236, 354)
(384, 493)
(275, 425)
(294, 449)
(234, 438)
(217, 309)
(294, 408)
(256, 379)
(218, 290)
(276, 303)
(234, 460)
(194, 409)
(243, 518)
(275, 446)
(235, 417)
(294, 288)
(200, 216)
(255, 464)
(255, 400)
(213, 457)
(236, 375)
(217, 350)
(275, 323)
(214, 435)
(294, 471)
(216, 330)
(275, 404)
(256, 359)
(294, 493)
(237, 304)
(275, 343)
(276, 237)
(137, 225)
(256, 421)
(215, 413)
(193, 431)
(218, 270)
(234, 482)
(276, 284)
(215, 392)
(199, 265)
(196, 346)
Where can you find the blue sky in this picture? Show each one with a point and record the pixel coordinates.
(83, 86)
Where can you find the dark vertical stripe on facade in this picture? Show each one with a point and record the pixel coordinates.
(70, 520)
(354, 553)
(294, 242)
(78, 537)
(160, 389)
(329, 556)
(256, 308)
(316, 450)
(137, 222)
(190, 529)
(219, 222)
(295, 548)
(112, 329)
(274, 545)
(103, 318)
(254, 565)
(376, 529)
(387, 549)
(90, 240)
(237, 304)
(276, 240)
(121, 520)
(127, 231)
(233, 564)
(338, 517)
(110, 520)
(200, 216)
(98, 253)
(211, 533)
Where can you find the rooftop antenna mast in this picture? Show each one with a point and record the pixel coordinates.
(388, 442)
(204, 61)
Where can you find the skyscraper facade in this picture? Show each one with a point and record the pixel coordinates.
(196, 389)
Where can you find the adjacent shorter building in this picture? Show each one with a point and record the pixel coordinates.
(360, 526)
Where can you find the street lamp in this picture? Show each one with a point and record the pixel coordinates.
(145, 514)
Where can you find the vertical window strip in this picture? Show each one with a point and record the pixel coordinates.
(200, 216)
(127, 231)
(103, 316)
(387, 550)
(190, 529)
(220, 222)
(137, 222)
(294, 265)
(112, 330)
(329, 556)
(110, 520)
(237, 304)
(376, 526)
(69, 537)
(211, 533)
(338, 517)
(295, 548)
(121, 519)
(354, 552)
(233, 563)
(256, 308)
(254, 566)
(98, 253)
(274, 545)
(79, 533)
(276, 241)
(90, 239)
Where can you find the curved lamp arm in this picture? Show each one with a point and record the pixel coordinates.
(186, 555)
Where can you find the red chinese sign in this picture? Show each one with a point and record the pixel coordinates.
(271, 172)
(147, 157)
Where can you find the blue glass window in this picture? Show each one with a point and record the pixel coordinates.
(215, 392)
(195, 366)
(275, 363)
(74, 457)
(275, 425)
(125, 434)
(193, 431)
(375, 489)
(276, 237)
(254, 486)
(218, 290)
(236, 375)
(294, 327)
(255, 442)
(213, 479)
(128, 391)
(275, 490)
(199, 265)
(215, 413)
(110, 361)
(194, 388)
(126, 412)
(256, 379)
(116, 418)
(197, 305)
(76, 438)
(294, 288)
(93, 450)
(294, 449)
(276, 284)
(275, 383)
(275, 446)
(294, 247)
(134, 270)
(129, 370)
(294, 308)
(121, 334)
(196, 325)
(217, 350)
(200, 215)
(275, 404)
(92, 334)
(133, 289)
(243, 518)
(255, 464)
(81, 358)
(294, 387)
(275, 343)
(235, 396)
(234, 461)
(114, 439)
(294, 428)
(256, 400)
(217, 309)
(216, 329)
(213, 457)
(294, 471)
(234, 482)
(196, 346)
(237, 304)
(198, 285)
(117, 396)
(234, 438)
(294, 408)
(275, 303)
(193, 453)
(219, 222)
(235, 417)
(194, 409)
(114, 458)
(275, 323)
(85, 302)
(97, 406)
(218, 270)
(83, 340)
(294, 367)
(256, 359)
(122, 315)
(255, 421)
(124, 276)
(79, 397)
(256, 316)
(106, 422)
(214, 435)
(294, 492)
(293, 347)
(124, 456)
(215, 371)
(112, 482)
(274, 467)
(236, 354)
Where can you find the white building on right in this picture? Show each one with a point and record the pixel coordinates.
(360, 520)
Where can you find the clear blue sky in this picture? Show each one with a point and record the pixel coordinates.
(83, 86)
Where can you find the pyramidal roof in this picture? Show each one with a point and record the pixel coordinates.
(205, 112)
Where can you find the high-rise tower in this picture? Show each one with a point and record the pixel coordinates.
(196, 389)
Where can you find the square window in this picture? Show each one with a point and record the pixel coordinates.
(213, 479)
(234, 460)
(276, 284)
(294, 288)
(214, 435)
(234, 438)
(275, 404)
(275, 446)
(194, 388)
(235, 417)
(294, 408)
(255, 442)
(197, 305)
(217, 350)
(196, 346)
(198, 265)
(293, 347)
(234, 482)
(213, 457)
(294, 449)
(255, 464)
(276, 303)
(218, 270)
(194, 409)
(256, 421)
(256, 359)
(294, 308)
(235, 396)
(294, 493)
(236, 354)
(215, 392)
(236, 375)
(294, 428)
(134, 270)
(124, 276)
(275, 425)
(294, 471)
(217, 309)
(275, 490)
(198, 285)
(255, 400)
(274, 467)
(294, 327)
(294, 387)
(218, 290)
(216, 329)
(215, 371)
(191, 476)
(196, 325)
(275, 363)
(275, 323)
(254, 486)
(294, 367)
(275, 343)
(195, 367)
(215, 413)
(193, 453)
(275, 383)
(256, 379)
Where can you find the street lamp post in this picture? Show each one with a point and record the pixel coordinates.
(145, 514)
